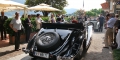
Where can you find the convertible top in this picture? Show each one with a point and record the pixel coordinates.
(63, 25)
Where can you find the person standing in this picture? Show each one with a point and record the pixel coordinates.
(16, 26)
(28, 27)
(74, 20)
(116, 25)
(117, 36)
(106, 19)
(2, 28)
(38, 21)
(109, 32)
(101, 22)
(52, 19)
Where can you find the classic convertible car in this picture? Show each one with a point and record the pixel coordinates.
(60, 41)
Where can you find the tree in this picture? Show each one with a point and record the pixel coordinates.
(90, 13)
(79, 12)
(94, 12)
(60, 4)
(60, 12)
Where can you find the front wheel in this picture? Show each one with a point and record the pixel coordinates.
(85, 46)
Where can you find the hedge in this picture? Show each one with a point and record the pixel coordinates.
(10, 31)
(116, 54)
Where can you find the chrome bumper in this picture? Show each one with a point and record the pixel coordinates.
(64, 58)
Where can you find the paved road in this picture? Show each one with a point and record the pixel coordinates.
(95, 52)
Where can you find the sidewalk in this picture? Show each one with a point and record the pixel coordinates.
(7, 50)
(96, 50)
(4, 43)
(21, 57)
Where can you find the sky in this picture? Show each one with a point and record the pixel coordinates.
(88, 4)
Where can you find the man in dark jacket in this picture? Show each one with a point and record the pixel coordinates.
(101, 22)
(2, 28)
(28, 27)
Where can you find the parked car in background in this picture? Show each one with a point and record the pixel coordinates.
(60, 41)
(94, 23)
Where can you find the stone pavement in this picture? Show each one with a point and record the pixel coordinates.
(95, 52)
(21, 57)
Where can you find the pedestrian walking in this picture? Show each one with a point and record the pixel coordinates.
(28, 26)
(16, 26)
(109, 31)
(3, 18)
(101, 22)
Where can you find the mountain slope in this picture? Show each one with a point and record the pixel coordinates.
(71, 10)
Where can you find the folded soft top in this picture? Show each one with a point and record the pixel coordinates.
(62, 25)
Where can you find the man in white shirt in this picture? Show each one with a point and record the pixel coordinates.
(38, 22)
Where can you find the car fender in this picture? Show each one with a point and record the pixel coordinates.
(90, 32)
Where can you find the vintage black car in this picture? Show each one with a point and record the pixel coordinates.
(57, 41)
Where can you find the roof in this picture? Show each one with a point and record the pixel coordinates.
(105, 5)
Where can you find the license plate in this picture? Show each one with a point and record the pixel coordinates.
(40, 54)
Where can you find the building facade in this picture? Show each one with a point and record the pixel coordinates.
(111, 6)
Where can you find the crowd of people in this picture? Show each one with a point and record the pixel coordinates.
(17, 26)
(111, 23)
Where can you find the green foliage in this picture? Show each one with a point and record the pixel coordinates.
(89, 13)
(79, 12)
(116, 54)
(67, 19)
(61, 12)
(94, 12)
(10, 31)
(45, 19)
(60, 4)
